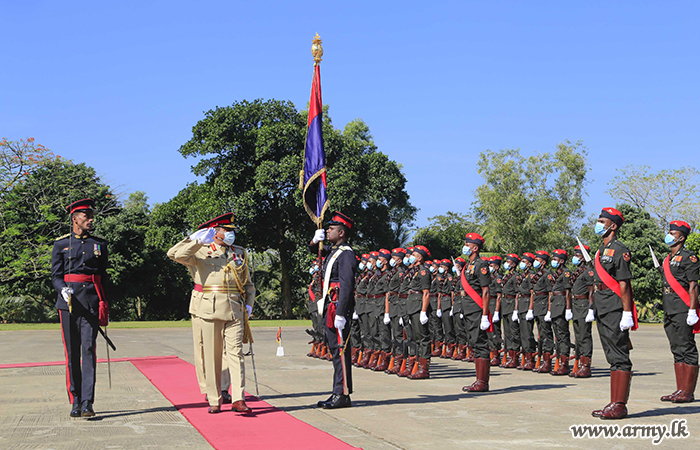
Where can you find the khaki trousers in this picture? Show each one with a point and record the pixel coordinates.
(199, 359)
(218, 335)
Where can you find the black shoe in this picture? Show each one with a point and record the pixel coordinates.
(226, 397)
(86, 410)
(311, 333)
(324, 402)
(75, 411)
(338, 401)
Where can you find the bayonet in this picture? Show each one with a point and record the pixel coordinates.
(586, 256)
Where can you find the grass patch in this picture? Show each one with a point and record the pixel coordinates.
(153, 324)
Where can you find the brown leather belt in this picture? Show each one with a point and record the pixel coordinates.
(508, 296)
(403, 295)
(493, 296)
(414, 292)
(541, 293)
(375, 296)
(393, 294)
(559, 293)
(433, 295)
(580, 297)
(602, 286)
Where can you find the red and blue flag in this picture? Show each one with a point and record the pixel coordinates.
(314, 173)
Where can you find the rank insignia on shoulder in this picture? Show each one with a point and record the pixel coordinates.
(694, 259)
(498, 280)
(550, 277)
(484, 270)
(567, 274)
(625, 256)
(590, 272)
(422, 272)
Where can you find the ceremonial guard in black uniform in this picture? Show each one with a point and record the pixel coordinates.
(78, 267)
(475, 280)
(681, 271)
(525, 314)
(509, 312)
(615, 310)
(394, 313)
(337, 303)
(582, 308)
(495, 301)
(560, 309)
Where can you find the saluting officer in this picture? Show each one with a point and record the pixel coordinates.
(582, 306)
(560, 309)
(337, 303)
(509, 310)
(78, 265)
(681, 271)
(223, 293)
(615, 310)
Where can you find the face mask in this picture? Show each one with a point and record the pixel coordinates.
(455, 269)
(522, 265)
(411, 259)
(431, 268)
(669, 240)
(369, 266)
(229, 237)
(380, 264)
(492, 269)
(506, 266)
(441, 270)
(575, 261)
(406, 260)
(536, 264)
(362, 266)
(311, 271)
(555, 264)
(600, 229)
(466, 250)
(392, 262)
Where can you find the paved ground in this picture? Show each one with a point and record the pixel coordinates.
(523, 410)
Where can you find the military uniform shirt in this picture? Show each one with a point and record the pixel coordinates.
(561, 284)
(446, 291)
(540, 305)
(615, 259)
(396, 276)
(524, 289)
(478, 277)
(509, 288)
(685, 268)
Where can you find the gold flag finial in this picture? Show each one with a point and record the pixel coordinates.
(317, 49)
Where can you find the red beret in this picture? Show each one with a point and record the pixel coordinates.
(422, 250)
(542, 254)
(679, 225)
(398, 252)
(612, 214)
(529, 257)
(560, 253)
(513, 257)
(474, 238)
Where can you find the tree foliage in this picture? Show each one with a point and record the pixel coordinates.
(444, 236)
(530, 203)
(18, 159)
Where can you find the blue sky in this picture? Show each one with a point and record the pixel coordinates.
(119, 85)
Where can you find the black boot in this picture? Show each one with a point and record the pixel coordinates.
(75, 411)
(338, 401)
(86, 410)
(225, 397)
(324, 402)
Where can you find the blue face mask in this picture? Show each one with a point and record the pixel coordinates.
(392, 262)
(669, 240)
(311, 271)
(455, 269)
(466, 250)
(575, 261)
(431, 268)
(406, 260)
(369, 266)
(492, 269)
(380, 264)
(522, 265)
(229, 237)
(600, 229)
(411, 259)
(441, 270)
(536, 264)
(361, 266)
(506, 266)
(555, 264)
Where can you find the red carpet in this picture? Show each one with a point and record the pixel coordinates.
(267, 428)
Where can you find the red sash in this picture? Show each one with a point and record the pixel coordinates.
(474, 296)
(678, 289)
(330, 314)
(83, 278)
(312, 296)
(613, 284)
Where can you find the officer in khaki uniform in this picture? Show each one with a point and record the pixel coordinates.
(223, 299)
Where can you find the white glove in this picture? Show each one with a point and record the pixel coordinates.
(452, 311)
(547, 317)
(387, 319)
(438, 313)
(355, 316)
(401, 321)
(496, 317)
(319, 235)
(515, 317)
(461, 316)
(423, 318)
(205, 236)
(568, 315)
(339, 322)
(692, 317)
(627, 322)
(590, 317)
(485, 324)
(66, 292)
(530, 315)
(249, 309)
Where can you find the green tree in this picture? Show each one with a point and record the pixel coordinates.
(251, 154)
(444, 236)
(667, 194)
(18, 159)
(531, 203)
(693, 243)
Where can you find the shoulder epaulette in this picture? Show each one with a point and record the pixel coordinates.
(63, 237)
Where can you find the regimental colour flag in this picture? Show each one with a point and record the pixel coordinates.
(313, 177)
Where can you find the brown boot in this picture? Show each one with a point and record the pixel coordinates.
(383, 362)
(313, 350)
(437, 349)
(511, 360)
(678, 368)
(354, 354)
(584, 370)
(563, 366)
(689, 382)
(496, 358)
(409, 367)
(366, 355)
(423, 372)
(372, 359)
(620, 382)
(461, 353)
(546, 364)
(529, 361)
(398, 361)
(449, 350)
(329, 354)
(470, 355)
(483, 369)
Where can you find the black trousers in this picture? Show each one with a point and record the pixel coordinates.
(478, 338)
(383, 334)
(355, 335)
(332, 336)
(495, 339)
(511, 331)
(681, 338)
(365, 329)
(561, 330)
(409, 344)
(527, 335)
(546, 335)
(435, 326)
(79, 333)
(460, 329)
(584, 337)
(420, 336)
(615, 342)
(448, 327)
(396, 336)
